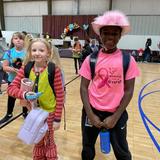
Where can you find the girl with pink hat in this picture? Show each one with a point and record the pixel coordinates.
(106, 95)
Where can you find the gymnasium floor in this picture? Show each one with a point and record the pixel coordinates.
(69, 141)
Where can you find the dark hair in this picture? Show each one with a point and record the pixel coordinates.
(148, 42)
(76, 44)
(24, 32)
(87, 40)
(1, 34)
(76, 39)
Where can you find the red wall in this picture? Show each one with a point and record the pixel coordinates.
(54, 25)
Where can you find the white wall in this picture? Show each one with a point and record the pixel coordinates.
(25, 8)
(88, 7)
(25, 16)
(29, 24)
(136, 42)
(130, 7)
(64, 7)
(138, 7)
(8, 35)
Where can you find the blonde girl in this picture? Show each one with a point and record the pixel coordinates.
(40, 51)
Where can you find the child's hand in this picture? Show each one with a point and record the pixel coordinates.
(110, 121)
(56, 125)
(32, 95)
(16, 70)
(29, 107)
(95, 120)
(12, 69)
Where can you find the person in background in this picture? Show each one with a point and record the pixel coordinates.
(134, 53)
(25, 33)
(3, 48)
(12, 63)
(86, 50)
(158, 45)
(27, 40)
(3, 76)
(93, 45)
(106, 96)
(147, 51)
(140, 54)
(76, 54)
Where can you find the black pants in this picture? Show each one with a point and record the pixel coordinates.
(77, 60)
(117, 137)
(11, 104)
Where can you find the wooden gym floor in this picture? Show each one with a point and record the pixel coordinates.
(69, 141)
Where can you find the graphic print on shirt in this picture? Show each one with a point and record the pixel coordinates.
(108, 77)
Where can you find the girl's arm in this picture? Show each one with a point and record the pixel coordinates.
(14, 87)
(8, 68)
(59, 91)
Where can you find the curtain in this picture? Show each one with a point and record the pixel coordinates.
(54, 25)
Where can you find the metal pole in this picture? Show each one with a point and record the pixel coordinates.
(2, 20)
(110, 5)
(49, 7)
(78, 2)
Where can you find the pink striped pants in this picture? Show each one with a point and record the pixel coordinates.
(46, 149)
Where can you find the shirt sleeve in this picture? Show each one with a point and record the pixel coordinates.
(85, 69)
(6, 56)
(14, 88)
(59, 93)
(133, 70)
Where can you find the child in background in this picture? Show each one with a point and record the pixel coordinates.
(76, 54)
(106, 96)
(12, 62)
(140, 55)
(40, 52)
(27, 40)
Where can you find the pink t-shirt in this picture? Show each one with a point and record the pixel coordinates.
(107, 88)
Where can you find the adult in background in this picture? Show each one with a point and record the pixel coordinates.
(147, 51)
(76, 54)
(86, 50)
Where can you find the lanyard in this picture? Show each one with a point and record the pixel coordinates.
(35, 87)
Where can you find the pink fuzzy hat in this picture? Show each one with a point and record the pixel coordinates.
(111, 18)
